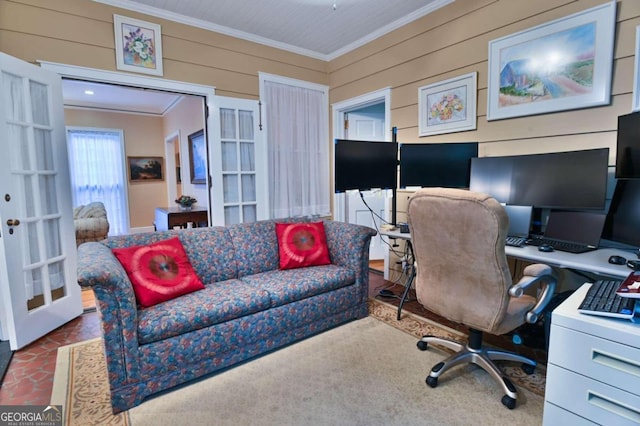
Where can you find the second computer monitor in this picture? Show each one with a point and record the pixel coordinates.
(562, 180)
(436, 164)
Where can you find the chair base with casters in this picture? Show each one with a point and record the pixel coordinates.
(473, 352)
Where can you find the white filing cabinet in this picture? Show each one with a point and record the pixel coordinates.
(593, 369)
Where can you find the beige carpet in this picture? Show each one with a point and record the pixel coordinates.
(362, 373)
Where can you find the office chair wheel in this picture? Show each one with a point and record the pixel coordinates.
(528, 368)
(509, 402)
(422, 345)
(432, 381)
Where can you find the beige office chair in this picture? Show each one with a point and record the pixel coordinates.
(458, 240)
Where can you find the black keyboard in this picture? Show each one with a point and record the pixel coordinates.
(561, 245)
(515, 241)
(601, 299)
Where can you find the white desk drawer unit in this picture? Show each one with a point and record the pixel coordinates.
(593, 371)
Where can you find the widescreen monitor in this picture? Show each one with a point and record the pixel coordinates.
(623, 217)
(365, 165)
(560, 180)
(628, 147)
(445, 165)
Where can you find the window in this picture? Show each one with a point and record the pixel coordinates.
(96, 163)
(298, 143)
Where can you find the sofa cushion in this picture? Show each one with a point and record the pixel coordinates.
(217, 303)
(210, 250)
(159, 271)
(290, 285)
(256, 245)
(302, 244)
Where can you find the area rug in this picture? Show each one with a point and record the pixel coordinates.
(362, 373)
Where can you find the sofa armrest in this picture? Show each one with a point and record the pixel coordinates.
(101, 271)
(97, 227)
(349, 247)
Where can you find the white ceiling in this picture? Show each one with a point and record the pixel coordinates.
(116, 98)
(323, 29)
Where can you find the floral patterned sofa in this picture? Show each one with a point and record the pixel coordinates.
(249, 306)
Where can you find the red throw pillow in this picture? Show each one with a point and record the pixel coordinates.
(159, 271)
(302, 244)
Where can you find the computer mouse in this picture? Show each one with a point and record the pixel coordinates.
(617, 260)
(545, 247)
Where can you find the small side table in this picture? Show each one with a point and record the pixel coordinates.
(168, 217)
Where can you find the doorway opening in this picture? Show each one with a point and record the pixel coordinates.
(366, 117)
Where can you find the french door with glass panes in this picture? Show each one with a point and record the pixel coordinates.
(238, 157)
(38, 287)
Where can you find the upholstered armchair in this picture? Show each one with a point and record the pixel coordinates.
(90, 222)
(458, 238)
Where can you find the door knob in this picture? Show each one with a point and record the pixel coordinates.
(13, 222)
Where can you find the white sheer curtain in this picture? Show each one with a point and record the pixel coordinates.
(97, 173)
(298, 138)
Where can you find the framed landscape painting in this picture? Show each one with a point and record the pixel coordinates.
(145, 169)
(198, 157)
(138, 45)
(561, 65)
(636, 75)
(447, 106)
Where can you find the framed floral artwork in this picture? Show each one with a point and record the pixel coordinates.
(138, 45)
(560, 65)
(448, 106)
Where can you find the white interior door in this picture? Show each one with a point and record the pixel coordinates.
(38, 282)
(238, 159)
(368, 123)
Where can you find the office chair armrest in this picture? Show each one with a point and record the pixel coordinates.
(536, 274)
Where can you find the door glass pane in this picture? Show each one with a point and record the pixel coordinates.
(230, 189)
(33, 246)
(249, 213)
(52, 238)
(48, 194)
(44, 151)
(245, 119)
(227, 123)
(18, 137)
(229, 157)
(39, 103)
(33, 285)
(56, 275)
(248, 188)
(247, 157)
(13, 96)
(29, 200)
(231, 215)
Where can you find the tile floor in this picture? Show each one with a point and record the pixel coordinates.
(29, 379)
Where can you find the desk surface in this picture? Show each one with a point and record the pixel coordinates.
(396, 234)
(596, 261)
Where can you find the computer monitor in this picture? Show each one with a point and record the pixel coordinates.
(365, 165)
(436, 164)
(560, 180)
(492, 175)
(628, 147)
(623, 218)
